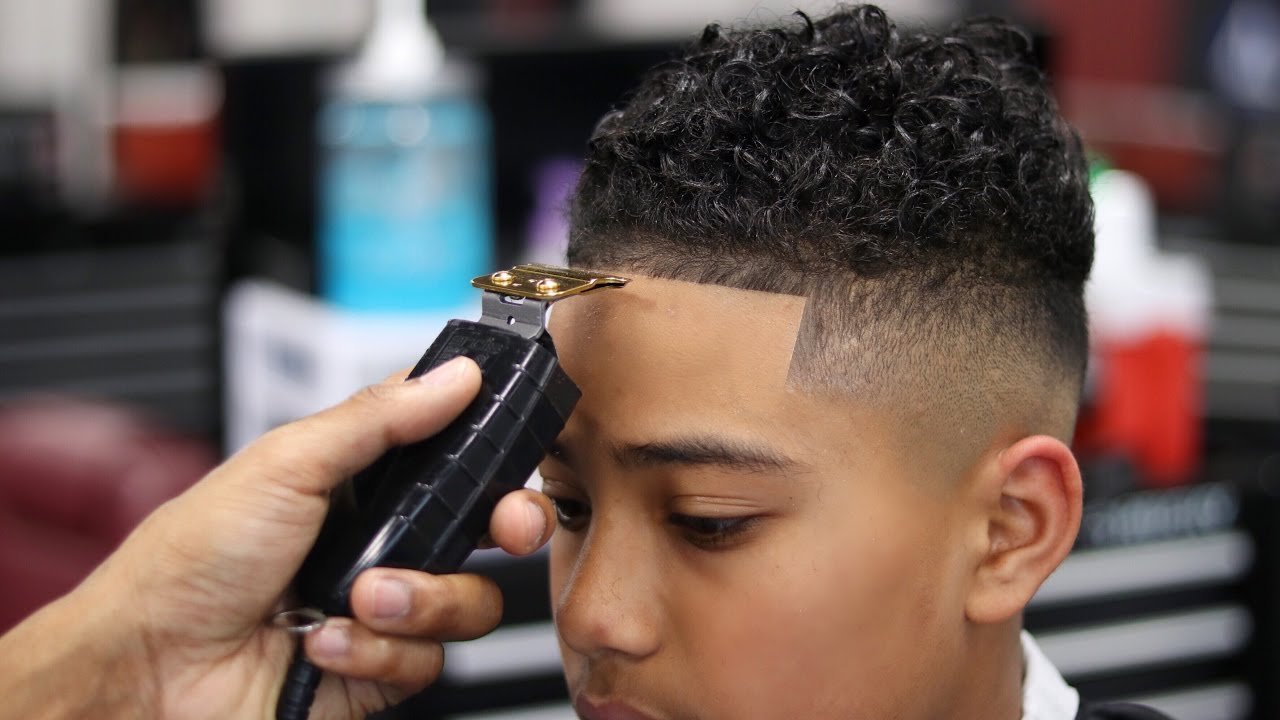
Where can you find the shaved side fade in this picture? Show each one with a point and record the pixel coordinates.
(920, 188)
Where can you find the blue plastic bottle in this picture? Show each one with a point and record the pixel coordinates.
(405, 214)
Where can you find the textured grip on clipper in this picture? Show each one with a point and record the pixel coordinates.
(427, 505)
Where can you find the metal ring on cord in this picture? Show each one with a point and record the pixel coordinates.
(299, 621)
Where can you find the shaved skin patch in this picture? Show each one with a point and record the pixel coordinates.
(752, 330)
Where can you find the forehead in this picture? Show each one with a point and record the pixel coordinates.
(680, 354)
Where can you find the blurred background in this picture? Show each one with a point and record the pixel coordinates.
(219, 215)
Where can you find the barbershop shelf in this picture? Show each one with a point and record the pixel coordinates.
(1242, 362)
(1168, 600)
(133, 324)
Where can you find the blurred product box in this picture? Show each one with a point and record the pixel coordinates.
(287, 354)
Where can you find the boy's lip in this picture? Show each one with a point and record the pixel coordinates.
(607, 710)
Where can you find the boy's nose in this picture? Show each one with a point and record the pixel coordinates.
(609, 599)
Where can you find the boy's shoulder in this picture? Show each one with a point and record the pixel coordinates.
(1119, 711)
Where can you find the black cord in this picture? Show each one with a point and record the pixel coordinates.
(299, 689)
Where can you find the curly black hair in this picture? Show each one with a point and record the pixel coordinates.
(922, 175)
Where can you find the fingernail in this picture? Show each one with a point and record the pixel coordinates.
(446, 374)
(390, 598)
(331, 641)
(537, 525)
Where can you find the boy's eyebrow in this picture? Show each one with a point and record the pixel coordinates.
(733, 453)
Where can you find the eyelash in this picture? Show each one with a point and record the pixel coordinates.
(705, 532)
(711, 533)
(571, 514)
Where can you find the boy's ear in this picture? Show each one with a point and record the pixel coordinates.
(1031, 495)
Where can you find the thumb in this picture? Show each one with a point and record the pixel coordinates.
(314, 454)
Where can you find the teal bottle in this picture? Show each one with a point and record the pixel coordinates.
(405, 214)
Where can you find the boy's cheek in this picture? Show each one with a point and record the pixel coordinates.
(846, 628)
(822, 611)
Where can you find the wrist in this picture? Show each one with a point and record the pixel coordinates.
(76, 657)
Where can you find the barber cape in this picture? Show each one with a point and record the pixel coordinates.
(1119, 711)
(1046, 696)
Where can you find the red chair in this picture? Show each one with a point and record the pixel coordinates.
(75, 479)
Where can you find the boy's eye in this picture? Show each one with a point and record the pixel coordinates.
(711, 532)
(705, 532)
(571, 514)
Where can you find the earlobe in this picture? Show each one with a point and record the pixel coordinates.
(1032, 521)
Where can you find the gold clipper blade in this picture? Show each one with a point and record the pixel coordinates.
(545, 282)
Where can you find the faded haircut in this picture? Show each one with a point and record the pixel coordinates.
(919, 187)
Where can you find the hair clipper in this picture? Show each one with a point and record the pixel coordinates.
(427, 505)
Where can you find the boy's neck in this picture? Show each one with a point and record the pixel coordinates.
(990, 684)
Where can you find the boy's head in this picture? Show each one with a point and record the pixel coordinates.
(822, 477)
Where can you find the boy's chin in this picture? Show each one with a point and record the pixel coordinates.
(612, 709)
(604, 695)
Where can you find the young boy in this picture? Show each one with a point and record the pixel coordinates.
(821, 461)
(820, 464)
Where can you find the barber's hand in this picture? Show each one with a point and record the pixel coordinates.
(179, 612)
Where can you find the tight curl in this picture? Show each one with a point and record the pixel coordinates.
(844, 145)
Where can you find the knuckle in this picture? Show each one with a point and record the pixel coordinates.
(398, 376)
(438, 600)
(282, 451)
(415, 666)
(382, 658)
(375, 394)
(459, 606)
(277, 440)
(395, 693)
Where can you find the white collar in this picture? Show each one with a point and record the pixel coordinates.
(1045, 695)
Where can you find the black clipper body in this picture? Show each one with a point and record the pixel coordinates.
(427, 505)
